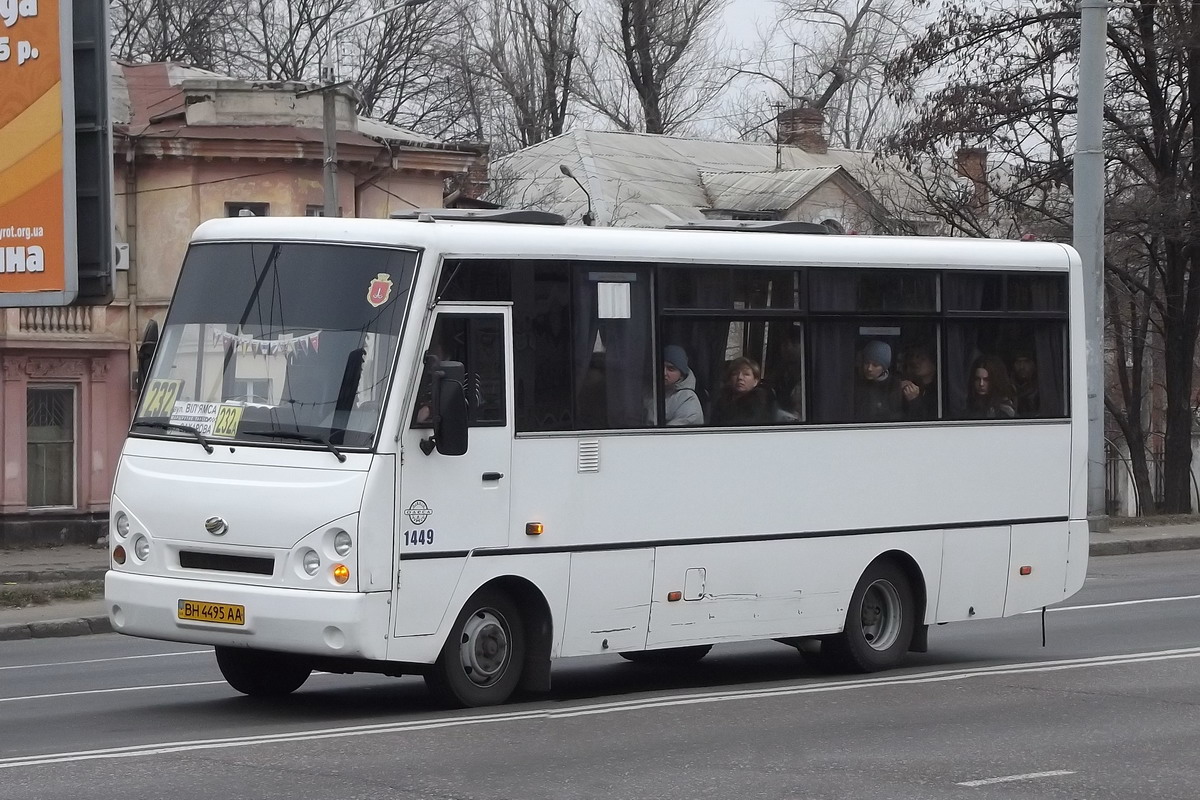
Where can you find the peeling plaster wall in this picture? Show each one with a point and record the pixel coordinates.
(403, 192)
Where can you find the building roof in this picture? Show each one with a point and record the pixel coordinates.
(648, 180)
(155, 101)
(756, 191)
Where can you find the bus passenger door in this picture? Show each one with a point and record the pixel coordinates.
(454, 504)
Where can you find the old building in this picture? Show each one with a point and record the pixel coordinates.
(649, 180)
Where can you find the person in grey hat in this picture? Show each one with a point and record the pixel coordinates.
(681, 403)
(877, 395)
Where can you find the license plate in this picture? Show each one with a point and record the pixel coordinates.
(222, 613)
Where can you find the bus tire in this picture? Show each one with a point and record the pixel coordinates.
(668, 657)
(879, 623)
(259, 673)
(484, 656)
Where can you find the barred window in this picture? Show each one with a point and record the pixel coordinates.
(50, 437)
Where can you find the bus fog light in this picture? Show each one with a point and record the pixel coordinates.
(342, 543)
(119, 554)
(311, 562)
(141, 547)
(121, 523)
(341, 573)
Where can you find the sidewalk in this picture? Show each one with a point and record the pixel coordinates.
(41, 569)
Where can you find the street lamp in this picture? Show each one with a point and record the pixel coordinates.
(329, 98)
(588, 219)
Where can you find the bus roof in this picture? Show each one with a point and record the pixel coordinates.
(452, 239)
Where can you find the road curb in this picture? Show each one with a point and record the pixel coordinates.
(55, 628)
(1122, 547)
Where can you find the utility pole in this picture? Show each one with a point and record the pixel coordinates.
(329, 86)
(1089, 235)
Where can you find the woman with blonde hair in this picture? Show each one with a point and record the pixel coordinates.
(744, 400)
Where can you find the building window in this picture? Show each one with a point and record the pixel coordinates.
(247, 209)
(50, 437)
(318, 211)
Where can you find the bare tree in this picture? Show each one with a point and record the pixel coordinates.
(404, 69)
(842, 48)
(1009, 86)
(656, 67)
(528, 50)
(285, 39)
(195, 32)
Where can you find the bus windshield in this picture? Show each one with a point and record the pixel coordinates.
(278, 343)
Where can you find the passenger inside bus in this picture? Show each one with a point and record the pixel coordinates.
(681, 402)
(918, 384)
(1025, 384)
(989, 393)
(744, 400)
(877, 396)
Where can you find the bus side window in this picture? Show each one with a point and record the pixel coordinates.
(477, 341)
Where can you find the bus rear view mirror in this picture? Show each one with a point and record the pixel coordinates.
(145, 352)
(450, 411)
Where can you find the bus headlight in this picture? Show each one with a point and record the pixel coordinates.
(342, 543)
(121, 523)
(311, 562)
(141, 547)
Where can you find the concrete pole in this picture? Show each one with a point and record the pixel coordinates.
(1089, 234)
(329, 101)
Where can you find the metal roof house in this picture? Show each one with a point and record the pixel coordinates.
(648, 180)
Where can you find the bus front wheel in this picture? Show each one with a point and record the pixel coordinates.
(879, 623)
(261, 674)
(482, 660)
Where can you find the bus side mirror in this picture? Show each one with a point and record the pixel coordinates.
(449, 411)
(145, 352)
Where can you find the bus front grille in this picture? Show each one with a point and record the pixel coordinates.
(251, 565)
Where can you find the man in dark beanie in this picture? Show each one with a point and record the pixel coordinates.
(877, 396)
(681, 404)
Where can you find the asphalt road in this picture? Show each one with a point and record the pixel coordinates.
(1109, 708)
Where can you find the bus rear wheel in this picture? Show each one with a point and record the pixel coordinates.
(879, 623)
(259, 673)
(484, 656)
(668, 657)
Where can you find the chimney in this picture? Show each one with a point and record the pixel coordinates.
(802, 127)
(971, 163)
(475, 183)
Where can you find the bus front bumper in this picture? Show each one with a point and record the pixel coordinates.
(345, 625)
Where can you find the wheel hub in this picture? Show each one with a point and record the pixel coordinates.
(485, 647)
(881, 615)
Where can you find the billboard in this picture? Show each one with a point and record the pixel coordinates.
(38, 257)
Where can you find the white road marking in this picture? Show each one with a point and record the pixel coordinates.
(1026, 777)
(1053, 609)
(103, 660)
(434, 723)
(83, 692)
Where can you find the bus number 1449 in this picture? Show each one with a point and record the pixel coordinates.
(423, 536)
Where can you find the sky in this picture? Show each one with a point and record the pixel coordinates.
(741, 16)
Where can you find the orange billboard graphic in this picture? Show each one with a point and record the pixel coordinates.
(36, 157)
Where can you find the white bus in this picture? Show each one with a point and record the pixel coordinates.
(463, 448)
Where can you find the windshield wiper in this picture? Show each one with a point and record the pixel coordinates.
(175, 426)
(299, 437)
